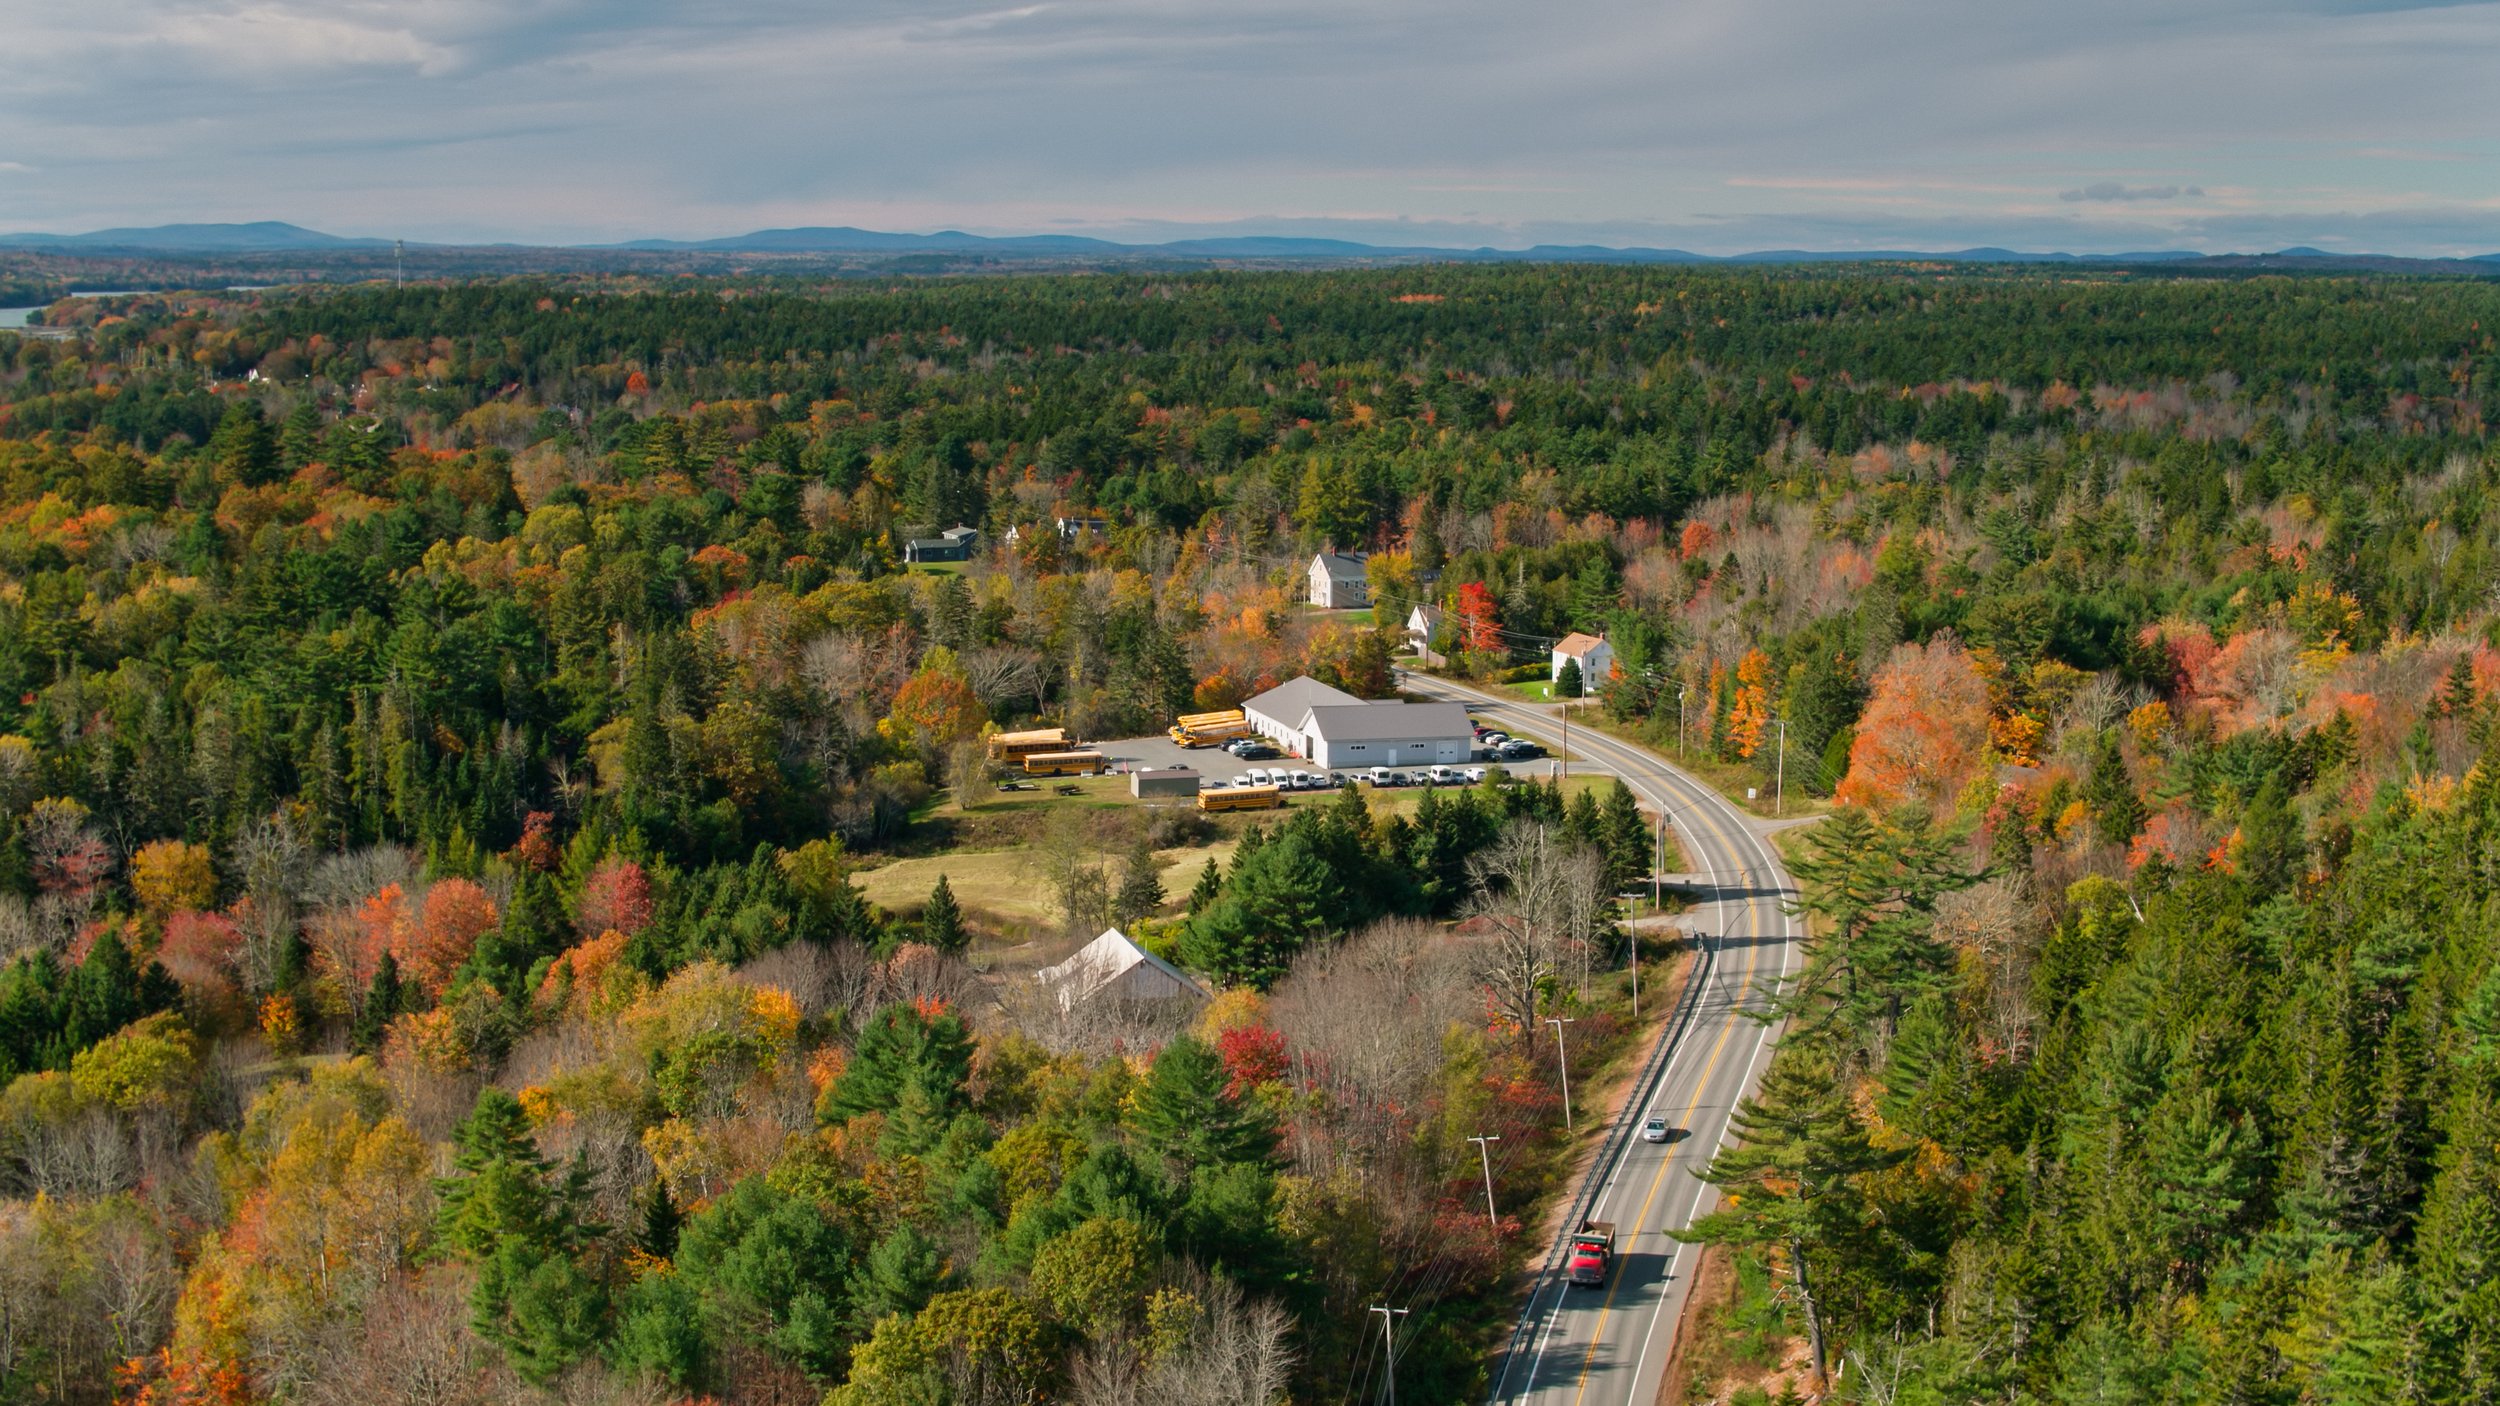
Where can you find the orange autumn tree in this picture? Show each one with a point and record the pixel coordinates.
(1750, 714)
(1925, 730)
(456, 914)
(937, 703)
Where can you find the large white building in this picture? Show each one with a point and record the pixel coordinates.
(1338, 730)
(1277, 714)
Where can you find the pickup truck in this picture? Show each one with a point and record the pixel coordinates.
(1592, 1252)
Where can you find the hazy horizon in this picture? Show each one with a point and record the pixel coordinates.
(1720, 128)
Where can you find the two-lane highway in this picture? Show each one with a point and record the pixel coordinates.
(1609, 1345)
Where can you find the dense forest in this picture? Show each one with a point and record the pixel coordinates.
(442, 730)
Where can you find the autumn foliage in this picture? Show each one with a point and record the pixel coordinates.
(1924, 732)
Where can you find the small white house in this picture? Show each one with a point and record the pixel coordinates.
(1422, 623)
(1338, 582)
(1595, 657)
(1112, 966)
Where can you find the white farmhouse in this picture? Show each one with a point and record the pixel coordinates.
(1338, 582)
(1595, 657)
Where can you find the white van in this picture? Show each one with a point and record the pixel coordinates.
(1443, 776)
(1380, 776)
(1260, 776)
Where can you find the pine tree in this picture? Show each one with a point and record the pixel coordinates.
(1185, 1115)
(942, 921)
(1627, 840)
(904, 1271)
(1581, 823)
(382, 1002)
(1141, 886)
(657, 1235)
(2117, 812)
(1210, 883)
(1794, 1178)
(1567, 681)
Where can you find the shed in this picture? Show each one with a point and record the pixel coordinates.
(1163, 781)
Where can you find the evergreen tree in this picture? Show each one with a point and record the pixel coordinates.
(1567, 681)
(657, 1234)
(942, 921)
(901, 1275)
(1210, 883)
(1626, 839)
(1185, 1115)
(902, 1046)
(1141, 886)
(382, 1002)
(1794, 1179)
(2116, 810)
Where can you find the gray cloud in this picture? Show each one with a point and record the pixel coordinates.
(2113, 190)
(1716, 124)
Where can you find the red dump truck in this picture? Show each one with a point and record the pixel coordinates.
(1592, 1251)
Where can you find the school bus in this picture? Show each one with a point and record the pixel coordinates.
(1016, 746)
(1207, 729)
(1065, 763)
(1241, 798)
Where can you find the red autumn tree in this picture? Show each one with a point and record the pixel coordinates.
(1253, 1055)
(1924, 732)
(198, 949)
(1478, 621)
(617, 898)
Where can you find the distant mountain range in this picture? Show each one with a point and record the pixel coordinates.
(274, 236)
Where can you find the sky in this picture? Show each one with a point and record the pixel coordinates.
(1719, 126)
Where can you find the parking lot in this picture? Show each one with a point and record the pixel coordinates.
(1214, 763)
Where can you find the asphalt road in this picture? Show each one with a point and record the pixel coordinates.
(1608, 1345)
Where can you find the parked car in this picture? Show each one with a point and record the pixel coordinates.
(1241, 780)
(1516, 749)
(1400, 778)
(1442, 776)
(1654, 1130)
(1261, 753)
(1308, 781)
(1259, 776)
(1473, 774)
(1381, 776)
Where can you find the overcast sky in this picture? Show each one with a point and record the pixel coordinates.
(1713, 125)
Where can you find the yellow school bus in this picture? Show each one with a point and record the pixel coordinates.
(1016, 746)
(1241, 798)
(1065, 763)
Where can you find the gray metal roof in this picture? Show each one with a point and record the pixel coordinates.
(1341, 566)
(1393, 722)
(1288, 701)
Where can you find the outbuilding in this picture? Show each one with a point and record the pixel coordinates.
(1113, 967)
(1156, 782)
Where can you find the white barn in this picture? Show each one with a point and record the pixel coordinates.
(1112, 966)
(1338, 581)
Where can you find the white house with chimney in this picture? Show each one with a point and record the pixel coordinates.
(1595, 657)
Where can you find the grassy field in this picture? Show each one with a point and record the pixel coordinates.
(1003, 889)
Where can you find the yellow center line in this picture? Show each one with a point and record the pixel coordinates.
(1701, 1089)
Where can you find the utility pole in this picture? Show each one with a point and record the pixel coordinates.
(1566, 756)
(1486, 1153)
(1633, 936)
(1564, 1060)
(399, 263)
(1389, 1316)
(1679, 722)
(1781, 807)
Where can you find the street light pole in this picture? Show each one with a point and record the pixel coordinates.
(1387, 1317)
(1563, 1059)
(1781, 807)
(1486, 1153)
